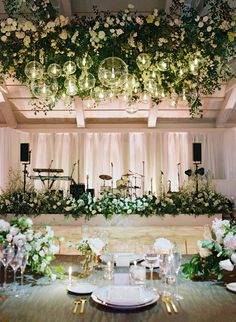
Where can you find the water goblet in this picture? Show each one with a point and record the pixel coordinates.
(151, 258)
(176, 258)
(15, 263)
(6, 255)
(165, 266)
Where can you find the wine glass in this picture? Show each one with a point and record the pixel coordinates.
(15, 263)
(151, 258)
(6, 255)
(176, 258)
(24, 261)
(165, 266)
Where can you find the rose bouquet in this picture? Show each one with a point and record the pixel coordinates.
(217, 252)
(40, 244)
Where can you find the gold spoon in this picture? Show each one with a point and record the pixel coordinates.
(164, 299)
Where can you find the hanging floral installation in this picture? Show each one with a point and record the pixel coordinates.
(178, 56)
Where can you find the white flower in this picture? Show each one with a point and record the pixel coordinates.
(41, 253)
(227, 265)
(163, 245)
(203, 252)
(20, 34)
(43, 266)
(119, 32)
(139, 21)
(4, 225)
(209, 28)
(96, 245)
(233, 258)
(130, 6)
(205, 18)
(230, 241)
(35, 258)
(63, 35)
(4, 38)
(29, 222)
(14, 231)
(53, 249)
(9, 237)
(200, 24)
(101, 34)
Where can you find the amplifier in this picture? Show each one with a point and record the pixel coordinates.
(76, 190)
(91, 191)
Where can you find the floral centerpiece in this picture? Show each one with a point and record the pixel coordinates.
(40, 244)
(217, 252)
(90, 248)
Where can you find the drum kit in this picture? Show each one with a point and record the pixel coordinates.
(125, 186)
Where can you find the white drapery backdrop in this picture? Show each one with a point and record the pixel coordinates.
(164, 152)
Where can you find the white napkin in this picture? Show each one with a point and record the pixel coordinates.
(123, 259)
(124, 295)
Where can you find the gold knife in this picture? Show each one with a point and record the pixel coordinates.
(82, 305)
(76, 303)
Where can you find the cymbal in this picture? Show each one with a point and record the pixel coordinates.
(136, 187)
(127, 174)
(105, 177)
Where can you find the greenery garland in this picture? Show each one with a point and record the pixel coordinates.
(179, 39)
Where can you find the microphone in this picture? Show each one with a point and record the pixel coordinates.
(112, 164)
(162, 172)
(178, 163)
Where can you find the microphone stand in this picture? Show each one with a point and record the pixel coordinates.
(73, 169)
(143, 178)
(78, 171)
(178, 166)
(49, 174)
(25, 172)
(112, 177)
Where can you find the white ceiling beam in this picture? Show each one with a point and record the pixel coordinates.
(6, 109)
(79, 111)
(152, 116)
(228, 106)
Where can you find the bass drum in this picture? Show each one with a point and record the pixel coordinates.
(105, 189)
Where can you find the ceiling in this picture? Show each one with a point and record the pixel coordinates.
(219, 109)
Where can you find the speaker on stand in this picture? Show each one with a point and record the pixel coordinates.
(197, 159)
(77, 190)
(25, 154)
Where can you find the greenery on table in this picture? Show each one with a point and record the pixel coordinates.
(196, 49)
(216, 252)
(206, 201)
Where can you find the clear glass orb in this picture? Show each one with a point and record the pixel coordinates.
(70, 85)
(132, 109)
(69, 67)
(84, 62)
(151, 86)
(158, 92)
(145, 97)
(86, 81)
(44, 88)
(131, 83)
(54, 70)
(90, 103)
(98, 93)
(113, 72)
(143, 61)
(162, 65)
(34, 70)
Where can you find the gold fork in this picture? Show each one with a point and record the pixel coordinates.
(164, 299)
(76, 303)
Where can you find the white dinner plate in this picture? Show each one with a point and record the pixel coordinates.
(82, 288)
(231, 287)
(130, 256)
(125, 297)
(145, 264)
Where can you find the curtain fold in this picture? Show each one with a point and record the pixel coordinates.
(163, 156)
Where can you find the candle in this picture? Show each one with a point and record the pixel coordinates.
(109, 266)
(70, 275)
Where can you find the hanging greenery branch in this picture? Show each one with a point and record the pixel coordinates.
(127, 56)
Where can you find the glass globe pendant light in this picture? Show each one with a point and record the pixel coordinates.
(44, 88)
(70, 85)
(54, 70)
(112, 72)
(162, 65)
(34, 70)
(98, 93)
(69, 67)
(143, 61)
(84, 62)
(86, 81)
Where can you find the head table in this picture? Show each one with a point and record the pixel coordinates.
(48, 301)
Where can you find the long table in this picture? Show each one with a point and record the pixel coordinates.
(50, 302)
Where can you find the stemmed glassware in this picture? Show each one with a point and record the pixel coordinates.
(165, 266)
(176, 260)
(15, 263)
(6, 256)
(151, 257)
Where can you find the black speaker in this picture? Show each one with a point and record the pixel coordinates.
(76, 190)
(24, 152)
(197, 152)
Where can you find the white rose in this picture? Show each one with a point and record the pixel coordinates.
(4, 38)
(4, 225)
(209, 28)
(101, 34)
(226, 265)
(96, 245)
(205, 18)
(163, 245)
(233, 258)
(130, 6)
(20, 34)
(9, 237)
(14, 231)
(35, 258)
(200, 24)
(203, 252)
